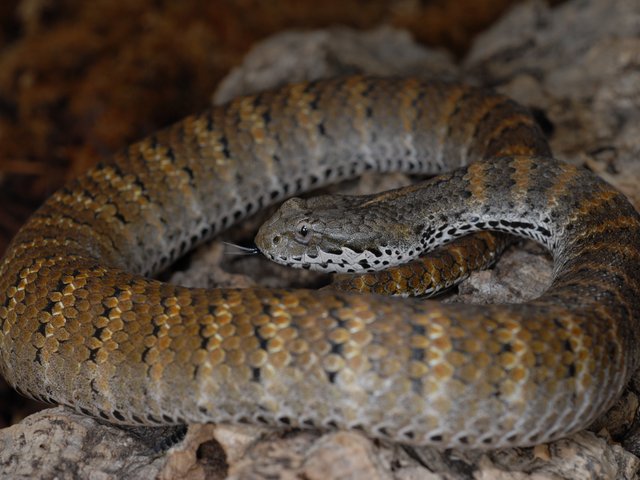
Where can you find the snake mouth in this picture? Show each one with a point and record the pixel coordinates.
(316, 262)
(308, 263)
(343, 260)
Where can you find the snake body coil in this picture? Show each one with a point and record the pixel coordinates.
(82, 326)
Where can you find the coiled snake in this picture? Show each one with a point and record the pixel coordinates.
(82, 325)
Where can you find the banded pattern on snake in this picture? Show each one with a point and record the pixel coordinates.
(81, 325)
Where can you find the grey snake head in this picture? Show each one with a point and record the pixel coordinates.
(336, 233)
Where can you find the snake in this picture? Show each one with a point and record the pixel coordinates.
(84, 323)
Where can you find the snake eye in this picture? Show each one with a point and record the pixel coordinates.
(303, 233)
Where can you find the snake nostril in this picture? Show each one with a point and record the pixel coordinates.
(276, 239)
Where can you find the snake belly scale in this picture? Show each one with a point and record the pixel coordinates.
(81, 323)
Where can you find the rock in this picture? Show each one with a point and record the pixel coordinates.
(56, 443)
(295, 56)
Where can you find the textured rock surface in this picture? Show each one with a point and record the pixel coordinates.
(587, 85)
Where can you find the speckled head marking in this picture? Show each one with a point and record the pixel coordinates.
(82, 325)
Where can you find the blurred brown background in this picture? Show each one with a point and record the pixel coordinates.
(79, 80)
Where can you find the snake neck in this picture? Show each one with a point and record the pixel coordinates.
(373, 232)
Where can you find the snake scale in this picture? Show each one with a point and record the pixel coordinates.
(83, 325)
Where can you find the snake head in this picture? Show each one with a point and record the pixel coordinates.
(329, 233)
(292, 235)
